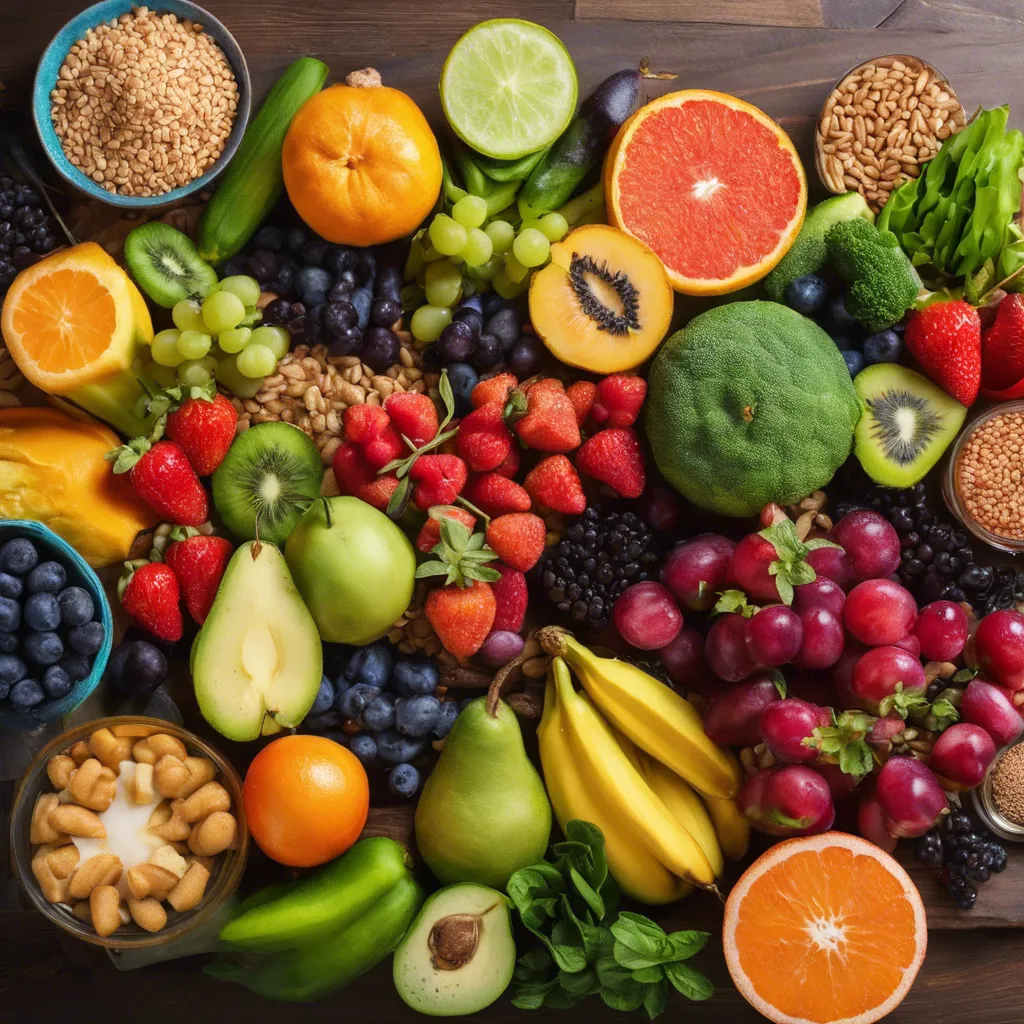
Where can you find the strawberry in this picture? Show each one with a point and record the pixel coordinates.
(554, 484)
(511, 594)
(613, 456)
(495, 495)
(1002, 346)
(945, 338)
(582, 394)
(373, 432)
(517, 539)
(413, 416)
(619, 398)
(165, 480)
(430, 532)
(199, 563)
(439, 480)
(494, 389)
(356, 477)
(203, 429)
(150, 595)
(462, 616)
(550, 421)
(483, 441)
(510, 467)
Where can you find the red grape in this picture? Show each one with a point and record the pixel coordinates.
(822, 593)
(992, 708)
(726, 648)
(683, 658)
(910, 795)
(792, 800)
(999, 648)
(962, 754)
(732, 715)
(774, 635)
(750, 562)
(823, 639)
(879, 612)
(909, 643)
(696, 569)
(874, 824)
(870, 542)
(646, 616)
(785, 725)
(879, 671)
(833, 564)
(942, 629)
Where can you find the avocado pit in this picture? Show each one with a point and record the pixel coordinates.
(454, 939)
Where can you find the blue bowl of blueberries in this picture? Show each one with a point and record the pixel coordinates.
(55, 626)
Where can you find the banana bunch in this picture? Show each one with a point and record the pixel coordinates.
(666, 831)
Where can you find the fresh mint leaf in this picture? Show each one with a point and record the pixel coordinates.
(819, 542)
(946, 713)
(782, 584)
(655, 999)
(780, 683)
(691, 983)
(965, 675)
(782, 536)
(856, 759)
(733, 601)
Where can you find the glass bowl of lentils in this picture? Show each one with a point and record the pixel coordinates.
(984, 479)
(140, 107)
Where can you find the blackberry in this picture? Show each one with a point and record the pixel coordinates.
(605, 551)
(929, 849)
(27, 231)
(965, 854)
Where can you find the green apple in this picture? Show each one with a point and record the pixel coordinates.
(354, 569)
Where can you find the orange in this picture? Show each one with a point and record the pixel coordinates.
(306, 800)
(712, 184)
(824, 929)
(361, 164)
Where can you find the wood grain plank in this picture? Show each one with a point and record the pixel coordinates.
(786, 13)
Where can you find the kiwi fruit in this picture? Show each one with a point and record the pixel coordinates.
(166, 265)
(906, 424)
(269, 476)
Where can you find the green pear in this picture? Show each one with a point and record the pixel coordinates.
(483, 813)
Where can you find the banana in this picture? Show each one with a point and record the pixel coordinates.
(732, 828)
(638, 873)
(651, 714)
(623, 790)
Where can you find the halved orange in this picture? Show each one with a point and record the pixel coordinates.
(709, 182)
(824, 929)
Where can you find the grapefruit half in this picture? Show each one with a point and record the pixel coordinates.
(709, 182)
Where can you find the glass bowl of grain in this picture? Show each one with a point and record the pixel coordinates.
(983, 483)
(999, 800)
(137, 107)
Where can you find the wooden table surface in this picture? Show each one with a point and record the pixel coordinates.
(782, 55)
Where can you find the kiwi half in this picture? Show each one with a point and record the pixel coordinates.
(906, 424)
(267, 479)
(166, 265)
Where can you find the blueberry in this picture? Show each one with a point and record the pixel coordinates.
(26, 695)
(284, 280)
(115, 663)
(505, 326)
(524, 359)
(313, 298)
(854, 362)
(805, 294)
(10, 586)
(414, 677)
(87, 639)
(145, 669)
(389, 284)
(76, 606)
(310, 279)
(843, 342)
(338, 317)
(446, 715)
(471, 318)
(488, 352)
(263, 265)
(329, 720)
(378, 715)
(77, 666)
(362, 299)
(473, 302)
(338, 737)
(837, 315)
(463, 378)
(56, 682)
(4, 690)
(385, 312)
(339, 259)
(10, 615)
(354, 700)
(269, 237)
(380, 348)
(366, 266)
(314, 251)
(364, 747)
(883, 347)
(395, 748)
(43, 648)
(324, 697)
(456, 343)
(47, 578)
(42, 612)
(12, 669)
(371, 665)
(233, 266)
(492, 302)
(296, 239)
(346, 342)
(404, 780)
(18, 556)
(339, 292)
(8, 643)
(415, 716)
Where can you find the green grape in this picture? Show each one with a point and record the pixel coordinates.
(443, 284)
(553, 226)
(222, 311)
(165, 376)
(196, 372)
(246, 288)
(446, 236)
(187, 316)
(193, 344)
(255, 361)
(470, 211)
(277, 339)
(230, 377)
(430, 255)
(507, 288)
(164, 348)
(531, 248)
(533, 224)
(486, 271)
(252, 316)
(514, 269)
(428, 322)
(235, 340)
(501, 234)
(478, 248)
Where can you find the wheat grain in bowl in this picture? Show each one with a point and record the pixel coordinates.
(144, 103)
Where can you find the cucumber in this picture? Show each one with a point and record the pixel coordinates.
(510, 170)
(254, 182)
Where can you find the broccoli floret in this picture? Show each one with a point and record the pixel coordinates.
(881, 282)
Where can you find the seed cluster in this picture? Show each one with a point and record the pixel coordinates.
(144, 103)
(989, 473)
(880, 123)
(1008, 784)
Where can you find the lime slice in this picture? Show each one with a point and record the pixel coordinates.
(508, 88)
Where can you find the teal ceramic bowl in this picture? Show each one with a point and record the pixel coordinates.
(49, 68)
(80, 574)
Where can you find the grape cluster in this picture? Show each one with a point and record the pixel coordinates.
(26, 230)
(965, 854)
